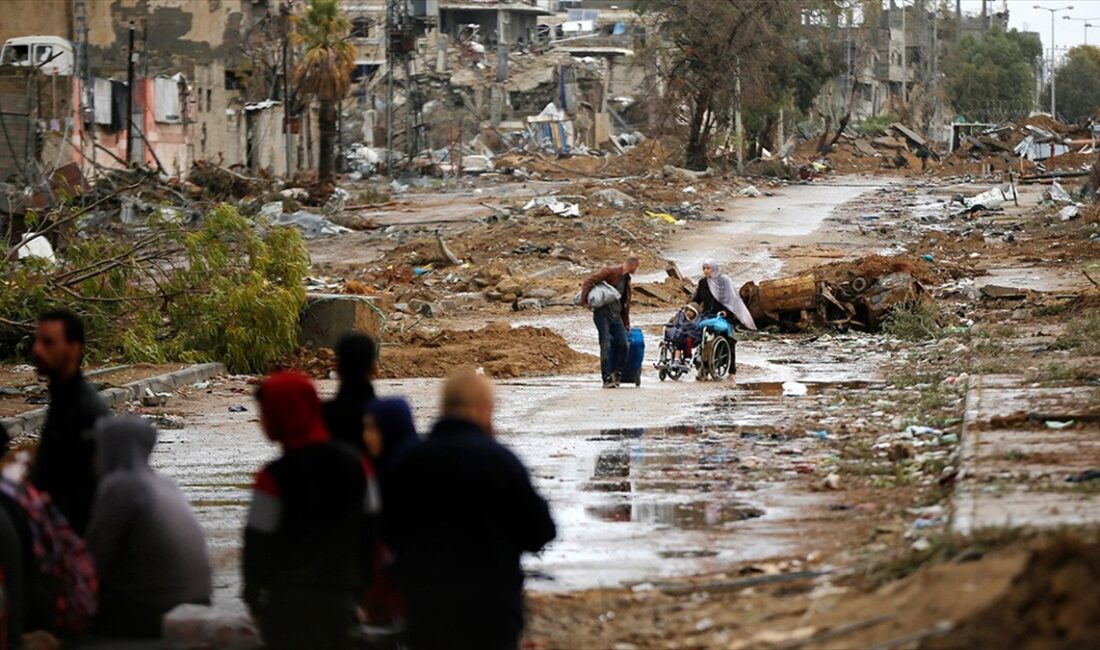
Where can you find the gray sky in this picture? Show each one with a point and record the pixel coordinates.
(1023, 16)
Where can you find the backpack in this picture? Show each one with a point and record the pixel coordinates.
(62, 576)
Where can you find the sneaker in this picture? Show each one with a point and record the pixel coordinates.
(610, 384)
(616, 379)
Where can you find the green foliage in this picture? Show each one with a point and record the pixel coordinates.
(918, 321)
(222, 292)
(992, 78)
(1078, 85)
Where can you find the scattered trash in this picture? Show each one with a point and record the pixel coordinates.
(831, 482)
(238, 408)
(201, 385)
(1057, 194)
(666, 217)
(1056, 425)
(1069, 212)
(151, 399)
(921, 545)
(916, 431)
(554, 205)
(35, 246)
(750, 191)
(312, 225)
(1085, 476)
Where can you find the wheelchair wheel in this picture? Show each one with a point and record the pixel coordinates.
(721, 358)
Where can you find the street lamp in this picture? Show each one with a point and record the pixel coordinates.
(1053, 90)
(1085, 21)
(1087, 27)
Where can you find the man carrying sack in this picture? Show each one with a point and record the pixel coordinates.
(607, 293)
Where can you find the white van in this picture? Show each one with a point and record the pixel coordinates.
(50, 54)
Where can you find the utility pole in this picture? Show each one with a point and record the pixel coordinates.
(739, 128)
(286, 94)
(1053, 85)
(130, 95)
(904, 58)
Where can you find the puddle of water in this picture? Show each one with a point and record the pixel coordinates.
(775, 388)
(695, 515)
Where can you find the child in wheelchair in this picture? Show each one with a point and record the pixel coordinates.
(683, 331)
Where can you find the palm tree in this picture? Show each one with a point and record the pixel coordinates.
(325, 70)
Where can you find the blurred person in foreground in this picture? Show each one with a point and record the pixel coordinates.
(308, 546)
(459, 512)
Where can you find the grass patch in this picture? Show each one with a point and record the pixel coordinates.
(1082, 335)
(918, 321)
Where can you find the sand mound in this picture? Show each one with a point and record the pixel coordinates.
(501, 350)
(1053, 603)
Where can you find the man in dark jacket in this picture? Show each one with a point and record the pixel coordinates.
(459, 511)
(356, 364)
(307, 545)
(613, 319)
(63, 465)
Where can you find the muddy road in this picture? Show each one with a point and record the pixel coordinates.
(647, 483)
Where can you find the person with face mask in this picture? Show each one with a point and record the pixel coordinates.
(148, 546)
(63, 465)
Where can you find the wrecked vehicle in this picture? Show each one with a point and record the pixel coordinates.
(799, 302)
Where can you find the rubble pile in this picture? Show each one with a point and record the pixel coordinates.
(1038, 144)
(897, 147)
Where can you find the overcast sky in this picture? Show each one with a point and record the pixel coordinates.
(1023, 16)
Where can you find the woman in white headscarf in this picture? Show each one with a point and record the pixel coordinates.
(716, 293)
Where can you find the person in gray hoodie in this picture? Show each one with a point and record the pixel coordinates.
(147, 544)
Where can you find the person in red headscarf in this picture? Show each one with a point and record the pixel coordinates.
(308, 544)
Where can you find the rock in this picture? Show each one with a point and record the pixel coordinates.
(684, 175)
(494, 295)
(509, 297)
(612, 196)
(403, 307)
(555, 271)
(543, 293)
(654, 292)
(510, 286)
(1003, 293)
(528, 304)
(425, 308)
(831, 482)
(673, 271)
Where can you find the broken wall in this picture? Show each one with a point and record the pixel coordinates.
(20, 18)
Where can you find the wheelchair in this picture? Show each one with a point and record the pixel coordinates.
(713, 357)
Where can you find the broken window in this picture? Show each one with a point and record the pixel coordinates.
(16, 55)
(360, 27)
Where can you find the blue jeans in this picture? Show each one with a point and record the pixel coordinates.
(613, 343)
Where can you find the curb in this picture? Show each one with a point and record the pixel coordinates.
(31, 421)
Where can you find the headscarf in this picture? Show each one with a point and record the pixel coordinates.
(123, 444)
(292, 410)
(721, 287)
(355, 357)
(394, 420)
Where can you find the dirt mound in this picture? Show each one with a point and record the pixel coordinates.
(1052, 603)
(1047, 123)
(501, 350)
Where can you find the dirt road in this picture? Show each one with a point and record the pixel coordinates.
(669, 479)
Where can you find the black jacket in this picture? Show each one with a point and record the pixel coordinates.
(344, 414)
(63, 465)
(458, 510)
(307, 527)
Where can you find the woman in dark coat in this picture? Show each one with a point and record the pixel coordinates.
(716, 293)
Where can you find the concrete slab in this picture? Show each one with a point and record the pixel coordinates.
(328, 316)
(1014, 468)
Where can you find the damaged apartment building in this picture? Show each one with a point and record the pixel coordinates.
(894, 65)
(503, 73)
(205, 86)
(209, 81)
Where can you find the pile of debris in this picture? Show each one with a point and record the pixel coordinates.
(1036, 145)
(894, 147)
(857, 295)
